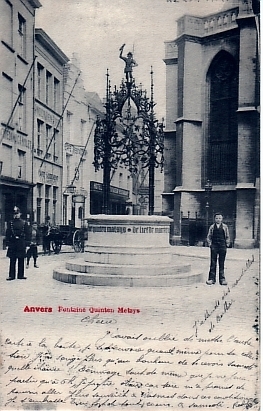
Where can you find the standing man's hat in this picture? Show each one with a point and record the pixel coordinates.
(16, 210)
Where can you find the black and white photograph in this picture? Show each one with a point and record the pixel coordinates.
(130, 205)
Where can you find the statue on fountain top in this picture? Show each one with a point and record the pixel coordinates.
(129, 64)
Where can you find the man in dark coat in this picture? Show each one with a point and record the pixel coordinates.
(35, 240)
(46, 236)
(17, 239)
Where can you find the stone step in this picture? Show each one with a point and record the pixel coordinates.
(128, 255)
(107, 280)
(126, 269)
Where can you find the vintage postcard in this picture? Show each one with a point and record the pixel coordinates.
(129, 205)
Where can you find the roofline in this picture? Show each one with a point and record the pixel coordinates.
(50, 45)
(202, 17)
(35, 3)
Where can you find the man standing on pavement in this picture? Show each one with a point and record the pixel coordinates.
(35, 240)
(17, 239)
(218, 240)
(46, 236)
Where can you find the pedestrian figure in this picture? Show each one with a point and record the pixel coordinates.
(46, 236)
(32, 251)
(17, 239)
(218, 240)
(129, 64)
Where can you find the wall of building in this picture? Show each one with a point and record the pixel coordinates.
(77, 129)
(16, 107)
(231, 33)
(82, 110)
(48, 129)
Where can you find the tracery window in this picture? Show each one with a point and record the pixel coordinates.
(222, 124)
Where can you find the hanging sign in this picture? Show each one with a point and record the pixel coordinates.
(79, 198)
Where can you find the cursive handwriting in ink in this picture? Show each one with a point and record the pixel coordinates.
(131, 370)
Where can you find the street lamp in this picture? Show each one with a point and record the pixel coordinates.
(208, 188)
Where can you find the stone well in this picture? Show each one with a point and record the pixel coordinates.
(127, 250)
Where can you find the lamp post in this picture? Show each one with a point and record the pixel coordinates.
(208, 188)
(71, 189)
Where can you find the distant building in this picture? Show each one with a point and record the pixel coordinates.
(212, 122)
(82, 186)
(48, 127)
(17, 19)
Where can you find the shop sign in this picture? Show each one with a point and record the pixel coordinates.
(74, 149)
(94, 186)
(16, 138)
(48, 178)
(79, 198)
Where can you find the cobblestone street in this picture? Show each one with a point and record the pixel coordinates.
(162, 305)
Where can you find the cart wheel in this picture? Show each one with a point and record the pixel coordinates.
(78, 242)
(56, 246)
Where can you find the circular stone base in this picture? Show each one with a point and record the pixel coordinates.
(127, 251)
(127, 270)
(166, 280)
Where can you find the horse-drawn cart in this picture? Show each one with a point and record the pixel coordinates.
(67, 235)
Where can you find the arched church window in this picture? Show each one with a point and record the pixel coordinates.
(222, 130)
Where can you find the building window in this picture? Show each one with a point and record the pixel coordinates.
(222, 131)
(22, 35)
(40, 71)
(48, 138)
(47, 200)
(54, 143)
(39, 137)
(48, 87)
(21, 172)
(39, 202)
(56, 94)
(7, 156)
(7, 23)
(21, 107)
(54, 211)
(6, 98)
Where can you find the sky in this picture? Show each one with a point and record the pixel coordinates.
(95, 30)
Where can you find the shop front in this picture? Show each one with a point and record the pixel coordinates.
(13, 194)
(118, 199)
